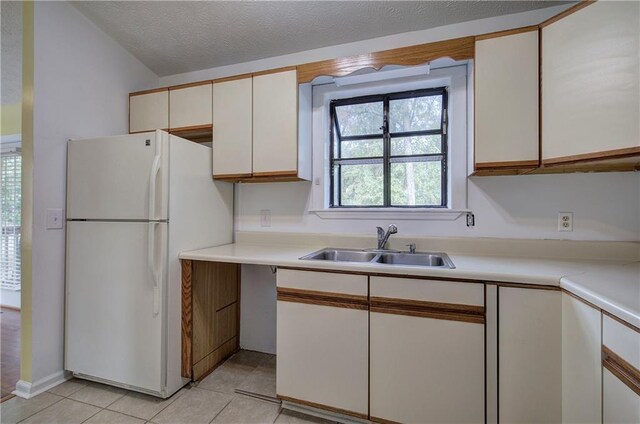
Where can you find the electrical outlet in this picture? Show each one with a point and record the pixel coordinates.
(265, 217)
(565, 221)
(54, 219)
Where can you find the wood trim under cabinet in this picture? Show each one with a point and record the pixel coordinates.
(274, 71)
(582, 4)
(190, 84)
(589, 157)
(322, 406)
(231, 177)
(187, 317)
(457, 49)
(424, 309)
(516, 164)
(275, 174)
(146, 131)
(506, 32)
(195, 133)
(622, 369)
(314, 297)
(232, 78)
(151, 91)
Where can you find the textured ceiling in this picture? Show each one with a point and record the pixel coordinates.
(172, 37)
(11, 52)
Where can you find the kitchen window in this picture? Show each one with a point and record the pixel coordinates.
(389, 150)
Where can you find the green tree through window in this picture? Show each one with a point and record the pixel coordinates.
(389, 150)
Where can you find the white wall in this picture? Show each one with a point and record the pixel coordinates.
(81, 83)
(606, 207)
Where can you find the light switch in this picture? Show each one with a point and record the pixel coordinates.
(54, 219)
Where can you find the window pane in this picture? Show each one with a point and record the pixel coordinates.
(360, 148)
(361, 185)
(419, 145)
(415, 114)
(416, 183)
(360, 119)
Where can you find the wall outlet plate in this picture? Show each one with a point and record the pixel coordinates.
(565, 221)
(265, 217)
(55, 219)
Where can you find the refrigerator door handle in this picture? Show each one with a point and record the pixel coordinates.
(153, 176)
(151, 262)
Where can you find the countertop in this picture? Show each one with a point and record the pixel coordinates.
(612, 286)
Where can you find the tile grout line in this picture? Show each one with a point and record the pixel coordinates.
(29, 416)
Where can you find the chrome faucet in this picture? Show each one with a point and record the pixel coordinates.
(384, 237)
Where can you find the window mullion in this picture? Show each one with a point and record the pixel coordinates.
(386, 152)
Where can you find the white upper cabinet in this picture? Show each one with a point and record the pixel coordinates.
(506, 100)
(149, 111)
(232, 128)
(275, 124)
(190, 106)
(591, 84)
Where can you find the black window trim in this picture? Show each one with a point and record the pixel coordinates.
(386, 158)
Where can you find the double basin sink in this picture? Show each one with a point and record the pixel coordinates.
(388, 257)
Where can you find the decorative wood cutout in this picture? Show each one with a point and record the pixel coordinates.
(456, 49)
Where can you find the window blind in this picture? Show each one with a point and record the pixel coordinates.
(10, 180)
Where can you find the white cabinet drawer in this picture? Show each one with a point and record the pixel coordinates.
(621, 340)
(428, 290)
(323, 281)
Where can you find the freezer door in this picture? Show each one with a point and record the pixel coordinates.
(121, 177)
(115, 304)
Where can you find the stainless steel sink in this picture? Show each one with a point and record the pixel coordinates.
(385, 257)
(342, 255)
(416, 259)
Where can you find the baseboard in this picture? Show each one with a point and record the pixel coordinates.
(27, 390)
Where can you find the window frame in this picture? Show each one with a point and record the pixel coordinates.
(387, 135)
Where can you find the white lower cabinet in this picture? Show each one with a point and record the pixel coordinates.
(323, 341)
(620, 373)
(427, 363)
(530, 356)
(581, 362)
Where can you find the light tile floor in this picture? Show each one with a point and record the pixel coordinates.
(212, 400)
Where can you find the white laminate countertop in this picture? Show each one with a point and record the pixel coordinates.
(611, 286)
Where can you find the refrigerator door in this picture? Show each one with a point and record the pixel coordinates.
(115, 302)
(118, 178)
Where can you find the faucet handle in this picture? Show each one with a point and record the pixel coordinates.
(380, 232)
(412, 247)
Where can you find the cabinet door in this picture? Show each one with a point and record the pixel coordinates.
(322, 340)
(581, 362)
(506, 101)
(149, 111)
(275, 124)
(621, 373)
(591, 83)
(427, 351)
(232, 128)
(190, 106)
(530, 355)
(621, 405)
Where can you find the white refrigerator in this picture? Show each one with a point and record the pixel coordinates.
(134, 202)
